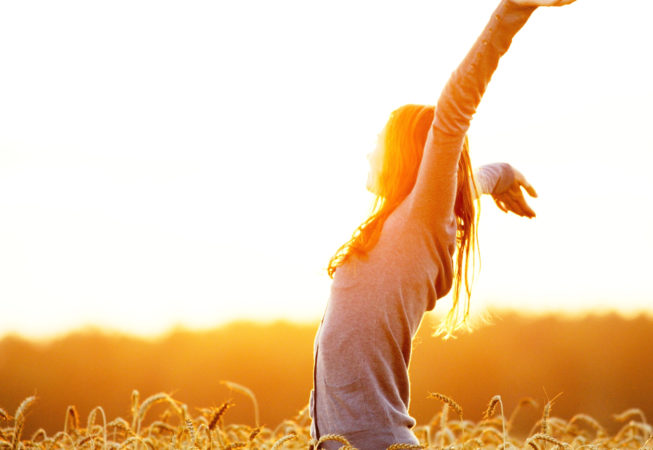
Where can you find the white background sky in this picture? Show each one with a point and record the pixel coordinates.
(195, 162)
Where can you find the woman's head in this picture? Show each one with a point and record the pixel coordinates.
(395, 161)
(394, 165)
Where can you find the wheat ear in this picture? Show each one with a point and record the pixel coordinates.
(547, 413)
(405, 446)
(278, 443)
(71, 416)
(246, 391)
(491, 407)
(20, 420)
(40, 433)
(134, 409)
(629, 413)
(333, 437)
(153, 399)
(489, 411)
(547, 438)
(219, 413)
(449, 401)
(600, 431)
(132, 440)
(91, 421)
(641, 428)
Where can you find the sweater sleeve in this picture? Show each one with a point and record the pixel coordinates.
(494, 178)
(435, 189)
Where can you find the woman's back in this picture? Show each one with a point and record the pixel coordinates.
(363, 345)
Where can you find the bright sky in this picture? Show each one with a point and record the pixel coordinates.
(186, 163)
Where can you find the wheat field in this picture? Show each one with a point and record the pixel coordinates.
(177, 426)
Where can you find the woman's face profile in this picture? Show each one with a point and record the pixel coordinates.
(375, 158)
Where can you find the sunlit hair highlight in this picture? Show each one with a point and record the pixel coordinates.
(466, 209)
(404, 140)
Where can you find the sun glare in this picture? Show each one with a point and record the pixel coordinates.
(164, 165)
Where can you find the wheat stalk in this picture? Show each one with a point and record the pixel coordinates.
(490, 431)
(119, 422)
(531, 443)
(627, 441)
(71, 416)
(279, 442)
(152, 400)
(527, 401)
(600, 431)
(195, 433)
(474, 441)
(332, 437)
(632, 427)
(157, 424)
(547, 438)
(191, 431)
(647, 441)
(491, 407)
(91, 420)
(546, 414)
(246, 391)
(135, 398)
(217, 416)
(448, 401)
(132, 440)
(629, 413)
(40, 433)
(255, 432)
(489, 411)
(219, 413)
(60, 435)
(19, 417)
(405, 446)
(87, 439)
(23, 407)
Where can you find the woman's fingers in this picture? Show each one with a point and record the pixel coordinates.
(522, 181)
(513, 200)
(518, 197)
(527, 211)
(530, 189)
(505, 204)
(543, 2)
(518, 207)
(500, 205)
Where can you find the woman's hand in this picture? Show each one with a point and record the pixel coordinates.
(543, 2)
(512, 199)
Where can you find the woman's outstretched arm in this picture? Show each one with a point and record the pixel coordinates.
(435, 188)
(504, 183)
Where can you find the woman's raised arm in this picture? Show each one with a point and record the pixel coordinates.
(435, 188)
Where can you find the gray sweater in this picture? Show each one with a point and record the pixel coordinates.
(362, 349)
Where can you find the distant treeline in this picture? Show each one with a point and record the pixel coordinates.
(602, 366)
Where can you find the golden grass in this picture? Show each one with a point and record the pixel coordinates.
(449, 401)
(177, 428)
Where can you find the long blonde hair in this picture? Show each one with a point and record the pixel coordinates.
(405, 137)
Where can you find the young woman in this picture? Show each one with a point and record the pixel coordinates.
(401, 259)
